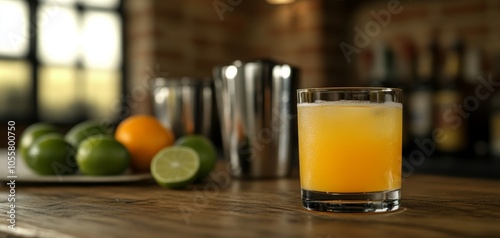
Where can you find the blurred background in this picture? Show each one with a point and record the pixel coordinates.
(65, 61)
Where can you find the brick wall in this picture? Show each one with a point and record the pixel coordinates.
(188, 38)
(141, 48)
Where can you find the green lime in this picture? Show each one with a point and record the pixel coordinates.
(206, 151)
(102, 155)
(85, 129)
(30, 134)
(51, 155)
(175, 167)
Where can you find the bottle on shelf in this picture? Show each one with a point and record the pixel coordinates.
(420, 99)
(476, 103)
(383, 71)
(364, 67)
(494, 108)
(448, 119)
(405, 70)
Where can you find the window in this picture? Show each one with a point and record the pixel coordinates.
(61, 61)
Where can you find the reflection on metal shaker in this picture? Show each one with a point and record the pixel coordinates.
(257, 113)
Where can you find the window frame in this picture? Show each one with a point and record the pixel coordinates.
(32, 59)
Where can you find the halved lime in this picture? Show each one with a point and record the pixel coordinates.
(175, 167)
(205, 149)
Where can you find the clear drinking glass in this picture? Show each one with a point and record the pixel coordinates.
(350, 148)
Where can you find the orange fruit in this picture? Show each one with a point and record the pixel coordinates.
(143, 136)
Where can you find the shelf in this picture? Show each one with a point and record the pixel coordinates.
(471, 167)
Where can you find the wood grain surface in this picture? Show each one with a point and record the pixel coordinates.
(432, 206)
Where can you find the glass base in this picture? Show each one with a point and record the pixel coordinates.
(384, 201)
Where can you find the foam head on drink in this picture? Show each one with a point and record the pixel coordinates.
(350, 146)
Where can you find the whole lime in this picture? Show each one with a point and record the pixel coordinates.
(85, 129)
(205, 150)
(51, 155)
(102, 155)
(30, 134)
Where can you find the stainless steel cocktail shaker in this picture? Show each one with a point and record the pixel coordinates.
(257, 112)
(184, 104)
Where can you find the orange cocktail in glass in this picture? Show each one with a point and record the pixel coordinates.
(350, 142)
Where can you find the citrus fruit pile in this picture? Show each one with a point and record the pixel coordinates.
(140, 143)
(172, 163)
(47, 152)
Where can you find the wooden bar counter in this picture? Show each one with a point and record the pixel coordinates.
(432, 206)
